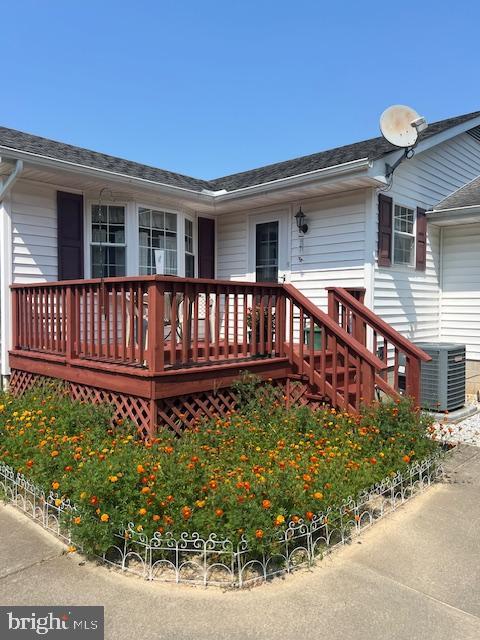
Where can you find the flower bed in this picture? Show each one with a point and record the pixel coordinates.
(269, 481)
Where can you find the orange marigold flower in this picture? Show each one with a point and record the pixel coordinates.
(145, 490)
(113, 478)
(29, 463)
(168, 450)
(68, 468)
(94, 500)
(279, 520)
(186, 513)
(104, 517)
(77, 520)
(309, 515)
(156, 517)
(373, 460)
(140, 468)
(54, 453)
(406, 459)
(55, 485)
(318, 495)
(142, 511)
(213, 484)
(219, 513)
(71, 549)
(259, 534)
(266, 504)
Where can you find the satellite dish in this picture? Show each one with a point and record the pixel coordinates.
(401, 125)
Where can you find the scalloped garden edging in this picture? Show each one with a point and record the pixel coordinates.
(210, 560)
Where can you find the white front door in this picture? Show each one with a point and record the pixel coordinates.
(268, 259)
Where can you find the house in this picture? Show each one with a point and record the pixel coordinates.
(372, 260)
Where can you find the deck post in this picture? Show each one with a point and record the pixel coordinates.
(413, 379)
(155, 327)
(15, 318)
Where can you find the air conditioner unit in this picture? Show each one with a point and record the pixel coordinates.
(443, 378)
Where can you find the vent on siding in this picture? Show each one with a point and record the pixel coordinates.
(475, 133)
(443, 378)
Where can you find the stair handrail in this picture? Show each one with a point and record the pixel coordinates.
(380, 325)
(323, 318)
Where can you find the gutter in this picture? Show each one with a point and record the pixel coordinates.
(205, 197)
(437, 213)
(301, 178)
(10, 181)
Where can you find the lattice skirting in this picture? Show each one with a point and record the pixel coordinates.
(175, 414)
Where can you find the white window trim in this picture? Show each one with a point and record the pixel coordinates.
(88, 234)
(404, 265)
(280, 216)
(181, 215)
(194, 243)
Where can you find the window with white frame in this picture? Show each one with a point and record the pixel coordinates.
(108, 246)
(157, 230)
(189, 253)
(403, 235)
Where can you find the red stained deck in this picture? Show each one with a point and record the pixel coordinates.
(162, 347)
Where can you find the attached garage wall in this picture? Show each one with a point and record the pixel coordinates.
(460, 302)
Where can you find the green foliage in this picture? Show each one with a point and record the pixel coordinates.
(246, 473)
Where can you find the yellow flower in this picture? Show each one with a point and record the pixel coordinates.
(279, 520)
(71, 549)
(318, 495)
(104, 517)
(113, 478)
(58, 502)
(142, 511)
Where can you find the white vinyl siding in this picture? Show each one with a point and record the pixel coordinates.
(333, 252)
(408, 299)
(34, 233)
(460, 307)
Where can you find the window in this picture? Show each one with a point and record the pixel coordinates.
(189, 255)
(403, 236)
(266, 252)
(157, 230)
(108, 241)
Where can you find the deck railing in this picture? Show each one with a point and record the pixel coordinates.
(402, 358)
(155, 325)
(151, 322)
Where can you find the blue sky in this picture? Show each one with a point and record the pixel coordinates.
(209, 88)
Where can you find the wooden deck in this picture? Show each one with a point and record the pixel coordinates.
(166, 350)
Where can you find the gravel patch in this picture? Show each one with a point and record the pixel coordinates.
(465, 432)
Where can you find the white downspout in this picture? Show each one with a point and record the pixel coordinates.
(6, 268)
(10, 181)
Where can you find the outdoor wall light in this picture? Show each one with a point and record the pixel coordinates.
(300, 219)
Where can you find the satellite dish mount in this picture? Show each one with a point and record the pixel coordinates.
(401, 126)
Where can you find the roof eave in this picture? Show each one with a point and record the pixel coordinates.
(346, 169)
(55, 163)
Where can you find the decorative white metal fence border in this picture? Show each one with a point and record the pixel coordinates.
(191, 558)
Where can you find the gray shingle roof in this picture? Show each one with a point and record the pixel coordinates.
(371, 149)
(466, 196)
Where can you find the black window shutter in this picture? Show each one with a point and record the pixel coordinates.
(70, 236)
(206, 248)
(385, 208)
(421, 252)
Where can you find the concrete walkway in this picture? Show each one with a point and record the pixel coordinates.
(414, 575)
